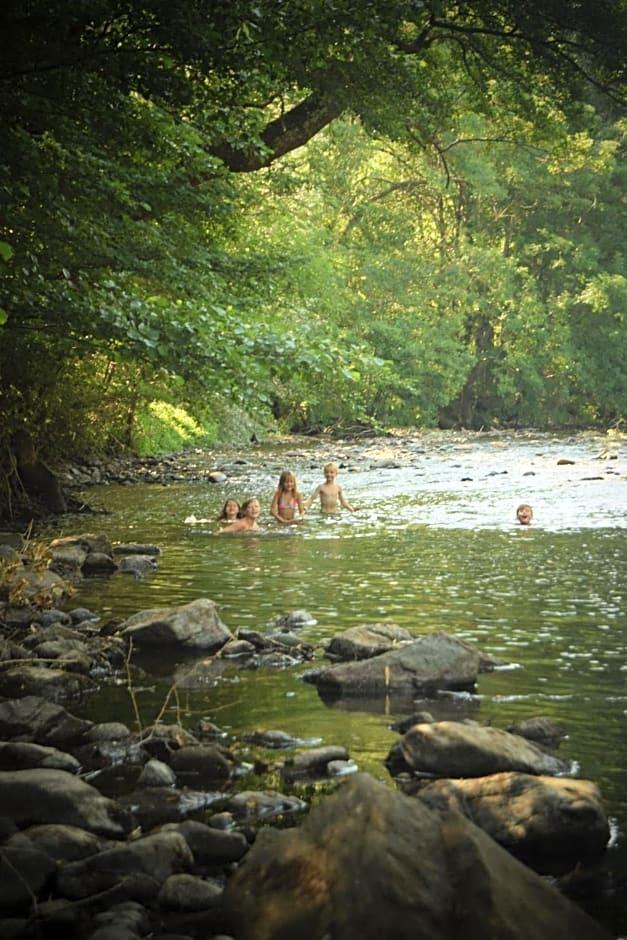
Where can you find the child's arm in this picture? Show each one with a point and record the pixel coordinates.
(311, 498)
(231, 529)
(343, 501)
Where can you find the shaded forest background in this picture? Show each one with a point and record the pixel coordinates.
(220, 219)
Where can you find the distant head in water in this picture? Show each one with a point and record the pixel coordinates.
(524, 514)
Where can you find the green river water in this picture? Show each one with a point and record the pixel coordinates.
(434, 546)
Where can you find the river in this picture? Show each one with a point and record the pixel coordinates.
(434, 546)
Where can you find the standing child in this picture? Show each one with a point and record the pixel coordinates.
(330, 493)
(287, 502)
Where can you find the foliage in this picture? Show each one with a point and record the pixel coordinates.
(431, 230)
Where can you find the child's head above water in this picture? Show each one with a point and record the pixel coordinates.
(524, 513)
(230, 510)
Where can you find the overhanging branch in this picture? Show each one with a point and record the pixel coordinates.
(282, 135)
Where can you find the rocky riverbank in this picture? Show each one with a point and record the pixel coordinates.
(167, 831)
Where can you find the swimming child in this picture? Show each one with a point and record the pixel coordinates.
(247, 520)
(524, 514)
(230, 512)
(287, 502)
(330, 493)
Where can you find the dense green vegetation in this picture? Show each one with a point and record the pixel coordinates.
(220, 216)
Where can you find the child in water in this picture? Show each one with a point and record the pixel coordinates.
(330, 493)
(524, 514)
(247, 520)
(230, 512)
(287, 502)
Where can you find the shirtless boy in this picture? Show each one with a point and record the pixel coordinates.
(330, 493)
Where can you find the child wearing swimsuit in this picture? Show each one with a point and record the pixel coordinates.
(287, 502)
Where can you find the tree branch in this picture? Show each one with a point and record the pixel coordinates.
(291, 130)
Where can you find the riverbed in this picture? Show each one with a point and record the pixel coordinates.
(433, 546)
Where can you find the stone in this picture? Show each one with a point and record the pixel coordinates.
(370, 862)
(54, 796)
(433, 662)
(544, 821)
(196, 625)
(365, 641)
(466, 749)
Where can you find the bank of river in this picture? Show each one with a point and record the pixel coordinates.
(435, 546)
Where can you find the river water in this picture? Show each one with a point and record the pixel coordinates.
(434, 546)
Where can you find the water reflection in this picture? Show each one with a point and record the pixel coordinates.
(434, 547)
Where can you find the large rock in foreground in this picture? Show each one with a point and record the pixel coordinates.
(194, 626)
(370, 863)
(438, 661)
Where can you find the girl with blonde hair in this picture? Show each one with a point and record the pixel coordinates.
(287, 502)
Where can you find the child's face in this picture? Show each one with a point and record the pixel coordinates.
(330, 474)
(524, 514)
(231, 508)
(253, 509)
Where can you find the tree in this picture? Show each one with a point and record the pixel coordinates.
(124, 127)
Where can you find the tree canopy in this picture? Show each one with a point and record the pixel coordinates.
(313, 212)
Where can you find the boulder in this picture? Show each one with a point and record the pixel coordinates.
(97, 563)
(62, 843)
(159, 806)
(189, 893)
(263, 804)
(56, 685)
(312, 764)
(362, 642)
(29, 797)
(438, 661)
(544, 821)
(155, 773)
(33, 718)
(21, 755)
(370, 862)
(196, 626)
(205, 764)
(138, 566)
(77, 556)
(544, 731)
(466, 749)
(155, 856)
(294, 619)
(210, 846)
